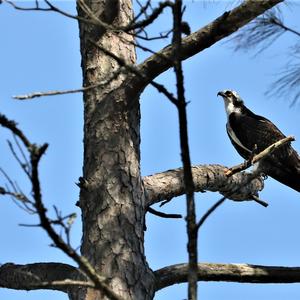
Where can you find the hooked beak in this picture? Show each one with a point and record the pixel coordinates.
(221, 94)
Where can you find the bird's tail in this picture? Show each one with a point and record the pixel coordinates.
(285, 170)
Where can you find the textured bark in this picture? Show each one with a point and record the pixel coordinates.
(112, 198)
(169, 184)
(228, 272)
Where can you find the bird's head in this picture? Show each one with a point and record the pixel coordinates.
(232, 100)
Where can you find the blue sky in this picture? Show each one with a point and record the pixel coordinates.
(40, 51)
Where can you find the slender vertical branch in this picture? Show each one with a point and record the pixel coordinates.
(36, 153)
(185, 155)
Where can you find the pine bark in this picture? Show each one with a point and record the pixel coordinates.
(112, 196)
(112, 199)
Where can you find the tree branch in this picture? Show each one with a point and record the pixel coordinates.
(70, 91)
(222, 27)
(31, 276)
(210, 211)
(189, 187)
(205, 37)
(36, 153)
(169, 184)
(256, 158)
(245, 273)
(163, 215)
(12, 126)
(262, 32)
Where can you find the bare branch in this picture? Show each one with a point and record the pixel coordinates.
(36, 153)
(146, 37)
(149, 19)
(64, 92)
(133, 25)
(268, 151)
(194, 43)
(259, 201)
(163, 215)
(51, 8)
(189, 187)
(34, 8)
(205, 37)
(31, 276)
(62, 284)
(210, 211)
(133, 70)
(220, 202)
(245, 273)
(143, 10)
(21, 150)
(85, 266)
(233, 170)
(169, 184)
(91, 18)
(25, 166)
(12, 126)
(18, 196)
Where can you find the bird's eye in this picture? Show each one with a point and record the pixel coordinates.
(228, 93)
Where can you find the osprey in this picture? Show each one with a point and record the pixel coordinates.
(248, 131)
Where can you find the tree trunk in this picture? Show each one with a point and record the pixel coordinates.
(112, 198)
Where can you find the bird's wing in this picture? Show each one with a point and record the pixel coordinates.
(284, 163)
(253, 129)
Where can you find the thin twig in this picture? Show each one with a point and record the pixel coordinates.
(143, 10)
(36, 153)
(210, 211)
(71, 91)
(35, 8)
(18, 197)
(23, 166)
(150, 19)
(63, 283)
(21, 151)
(244, 166)
(163, 215)
(161, 36)
(94, 20)
(12, 126)
(259, 201)
(269, 150)
(99, 281)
